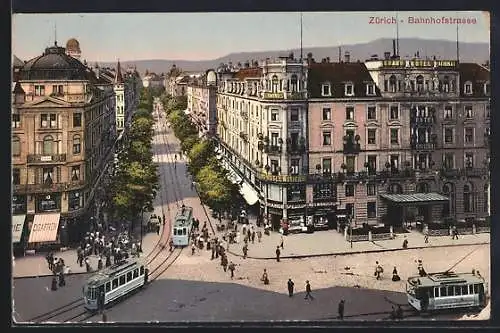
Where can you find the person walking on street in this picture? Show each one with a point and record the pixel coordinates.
(193, 249)
(264, 277)
(171, 245)
(224, 262)
(341, 309)
(378, 270)
(245, 251)
(426, 236)
(62, 281)
(308, 291)
(454, 233)
(253, 237)
(259, 235)
(99, 264)
(290, 285)
(278, 252)
(231, 269)
(281, 242)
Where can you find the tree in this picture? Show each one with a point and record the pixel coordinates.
(199, 155)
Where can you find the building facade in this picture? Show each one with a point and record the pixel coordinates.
(262, 130)
(202, 104)
(62, 136)
(387, 141)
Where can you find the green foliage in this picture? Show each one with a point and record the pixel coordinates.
(189, 143)
(198, 155)
(135, 182)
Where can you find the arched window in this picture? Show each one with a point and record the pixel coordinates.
(77, 144)
(395, 189)
(420, 83)
(293, 83)
(16, 146)
(422, 188)
(48, 144)
(446, 84)
(392, 83)
(468, 198)
(275, 83)
(486, 198)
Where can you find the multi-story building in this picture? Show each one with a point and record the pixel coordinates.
(62, 138)
(153, 80)
(119, 88)
(262, 117)
(397, 140)
(177, 85)
(201, 103)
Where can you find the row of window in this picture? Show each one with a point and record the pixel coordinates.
(49, 146)
(471, 289)
(371, 136)
(326, 89)
(121, 280)
(46, 175)
(47, 120)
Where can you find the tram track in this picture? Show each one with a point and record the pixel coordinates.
(70, 307)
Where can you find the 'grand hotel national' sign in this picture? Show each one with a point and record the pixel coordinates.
(419, 63)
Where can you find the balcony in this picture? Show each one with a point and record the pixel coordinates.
(295, 95)
(39, 188)
(466, 172)
(351, 147)
(429, 120)
(423, 146)
(46, 159)
(272, 150)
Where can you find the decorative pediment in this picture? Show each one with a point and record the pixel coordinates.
(48, 102)
(394, 123)
(275, 126)
(327, 125)
(350, 124)
(372, 123)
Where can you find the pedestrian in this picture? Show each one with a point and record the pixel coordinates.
(231, 269)
(193, 248)
(108, 260)
(54, 283)
(213, 250)
(249, 235)
(171, 244)
(99, 264)
(278, 252)
(405, 243)
(224, 262)
(308, 291)
(378, 270)
(164, 219)
(395, 276)
(62, 281)
(253, 237)
(290, 285)
(341, 309)
(420, 268)
(158, 229)
(426, 236)
(264, 277)
(245, 251)
(455, 233)
(259, 235)
(281, 242)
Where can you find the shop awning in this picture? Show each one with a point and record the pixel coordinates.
(44, 228)
(249, 194)
(420, 198)
(17, 227)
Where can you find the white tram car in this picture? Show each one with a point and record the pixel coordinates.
(113, 283)
(448, 290)
(183, 223)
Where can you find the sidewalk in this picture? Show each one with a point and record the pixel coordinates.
(330, 242)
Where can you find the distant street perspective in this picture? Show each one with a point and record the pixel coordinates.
(278, 187)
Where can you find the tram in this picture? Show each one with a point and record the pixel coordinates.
(113, 283)
(446, 290)
(182, 226)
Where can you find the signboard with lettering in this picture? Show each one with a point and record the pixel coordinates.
(419, 63)
(17, 227)
(44, 228)
(274, 95)
(46, 158)
(282, 178)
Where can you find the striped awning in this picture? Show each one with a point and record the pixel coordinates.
(249, 194)
(17, 227)
(44, 228)
(416, 198)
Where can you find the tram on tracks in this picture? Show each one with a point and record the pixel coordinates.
(183, 224)
(446, 290)
(114, 283)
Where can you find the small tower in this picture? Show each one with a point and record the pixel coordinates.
(73, 48)
(19, 96)
(119, 89)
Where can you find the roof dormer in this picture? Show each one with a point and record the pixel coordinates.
(468, 88)
(326, 89)
(349, 89)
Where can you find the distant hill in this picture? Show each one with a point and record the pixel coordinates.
(442, 49)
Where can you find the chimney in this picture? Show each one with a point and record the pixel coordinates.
(394, 47)
(387, 55)
(328, 59)
(418, 54)
(347, 56)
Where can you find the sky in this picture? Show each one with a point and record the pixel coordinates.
(206, 36)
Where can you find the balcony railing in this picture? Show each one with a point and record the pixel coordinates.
(423, 146)
(352, 148)
(46, 188)
(465, 172)
(272, 150)
(46, 159)
(295, 95)
(423, 120)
